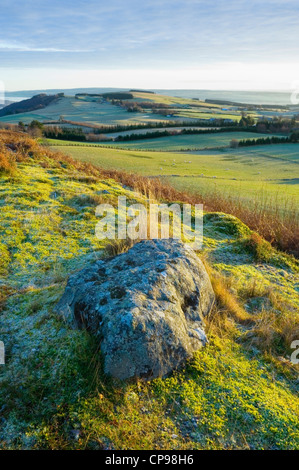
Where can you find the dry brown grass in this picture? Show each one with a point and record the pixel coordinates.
(7, 161)
(273, 332)
(277, 326)
(277, 226)
(280, 228)
(227, 302)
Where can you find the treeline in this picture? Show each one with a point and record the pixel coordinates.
(38, 129)
(114, 95)
(219, 123)
(166, 133)
(73, 134)
(142, 91)
(277, 125)
(293, 138)
(118, 95)
(245, 124)
(139, 107)
(155, 125)
(145, 135)
(64, 133)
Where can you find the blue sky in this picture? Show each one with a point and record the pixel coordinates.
(156, 44)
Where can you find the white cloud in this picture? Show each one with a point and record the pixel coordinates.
(17, 47)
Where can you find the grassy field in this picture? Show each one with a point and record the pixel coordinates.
(185, 141)
(173, 100)
(192, 109)
(84, 111)
(177, 142)
(266, 173)
(239, 392)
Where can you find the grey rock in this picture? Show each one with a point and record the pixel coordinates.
(145, 306)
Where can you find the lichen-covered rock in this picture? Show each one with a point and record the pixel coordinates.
(146, 307)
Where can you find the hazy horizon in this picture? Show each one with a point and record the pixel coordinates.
(242, 96)
(151, 89)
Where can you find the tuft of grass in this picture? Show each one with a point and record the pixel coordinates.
(118, 246)
(273, 332)
(227, 302)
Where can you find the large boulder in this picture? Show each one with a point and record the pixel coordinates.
(146, 307)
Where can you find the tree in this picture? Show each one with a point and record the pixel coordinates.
(35, 128)
(21, 126)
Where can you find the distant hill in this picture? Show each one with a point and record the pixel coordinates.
(36, 102)
(6, 103)
(54, 91)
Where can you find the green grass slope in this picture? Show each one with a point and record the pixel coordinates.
(264, 174)
(237, 393)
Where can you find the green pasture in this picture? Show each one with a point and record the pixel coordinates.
(267, 173)
(84, 111)
(182, 142)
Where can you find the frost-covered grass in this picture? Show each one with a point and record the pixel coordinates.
(239, 392)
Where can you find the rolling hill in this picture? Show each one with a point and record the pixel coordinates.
(32, 104)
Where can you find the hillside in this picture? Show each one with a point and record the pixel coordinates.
(32, 104)
(97, 108)
(257, 184)
(238, 392)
